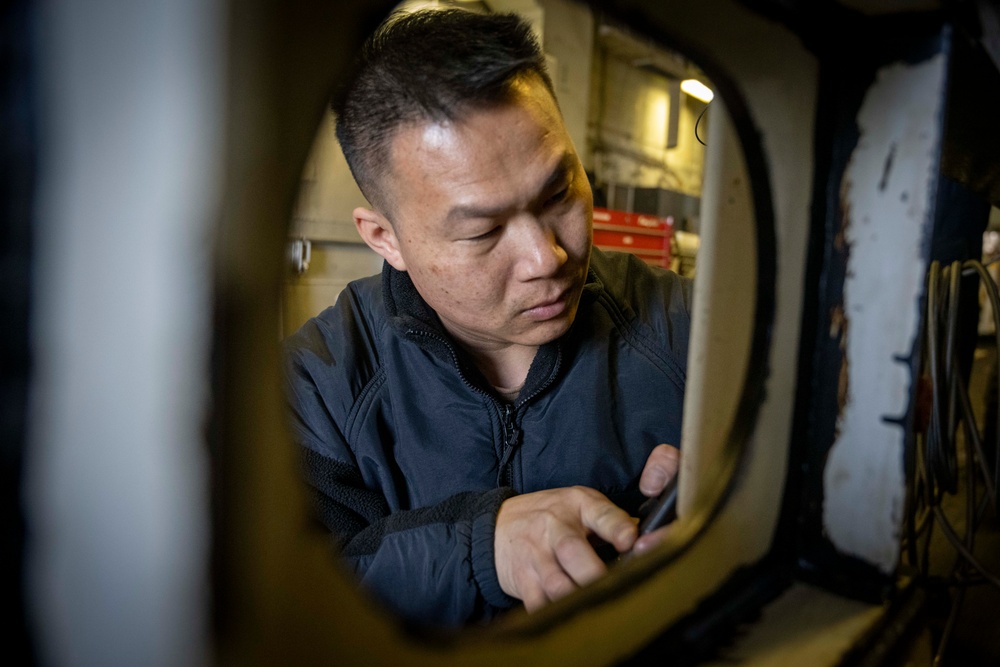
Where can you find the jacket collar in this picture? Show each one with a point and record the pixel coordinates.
(410, 317)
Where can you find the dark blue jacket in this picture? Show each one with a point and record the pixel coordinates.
(411, 452)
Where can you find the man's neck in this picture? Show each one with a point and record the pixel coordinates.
(505, 367)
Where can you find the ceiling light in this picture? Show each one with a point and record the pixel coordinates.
(697, 89)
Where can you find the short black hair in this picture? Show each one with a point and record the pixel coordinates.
(429, 65)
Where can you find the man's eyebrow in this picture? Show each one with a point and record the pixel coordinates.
(475, 212)
(556, 176)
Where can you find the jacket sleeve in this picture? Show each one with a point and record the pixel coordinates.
(432, 564)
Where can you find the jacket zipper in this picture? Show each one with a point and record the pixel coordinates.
(511, 433)
(508, 412)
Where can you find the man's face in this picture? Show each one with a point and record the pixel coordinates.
(492, 218)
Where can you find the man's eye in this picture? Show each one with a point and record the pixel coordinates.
(558, 197)
(482, 237)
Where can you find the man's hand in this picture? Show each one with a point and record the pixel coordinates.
(661, 467)
(542, 547)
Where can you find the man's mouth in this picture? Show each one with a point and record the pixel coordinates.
(550, 308)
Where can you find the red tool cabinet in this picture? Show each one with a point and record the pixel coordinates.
(646, 236)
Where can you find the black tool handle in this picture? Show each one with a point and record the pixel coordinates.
(659, 511)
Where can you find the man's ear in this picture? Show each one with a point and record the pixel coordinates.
(378, 233)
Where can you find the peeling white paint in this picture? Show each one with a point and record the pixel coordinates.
(888, 198)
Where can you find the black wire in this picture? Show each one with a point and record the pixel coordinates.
(949, 625)
(696, 122)
(973, 437)
(994, 296)
(956, 541)
(936, 466)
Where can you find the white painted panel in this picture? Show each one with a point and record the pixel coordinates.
(725, 292)
(116, 488)
(888, 195)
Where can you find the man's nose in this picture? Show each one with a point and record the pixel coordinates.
(541, 253)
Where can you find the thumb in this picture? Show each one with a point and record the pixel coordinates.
(661, 467)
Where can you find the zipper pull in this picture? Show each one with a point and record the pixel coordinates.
(511, 435)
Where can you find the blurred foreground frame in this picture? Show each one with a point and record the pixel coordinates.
(279, 596)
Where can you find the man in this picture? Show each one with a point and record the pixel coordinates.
(475, 419)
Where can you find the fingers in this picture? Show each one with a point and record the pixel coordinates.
(609, 522)
(649, 541)
(660, 468)
(542, 549)
(534, 594)
(574, 565)
(578, 559)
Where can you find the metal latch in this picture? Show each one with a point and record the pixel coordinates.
(299, 252)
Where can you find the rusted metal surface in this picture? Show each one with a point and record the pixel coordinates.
(838, 331)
